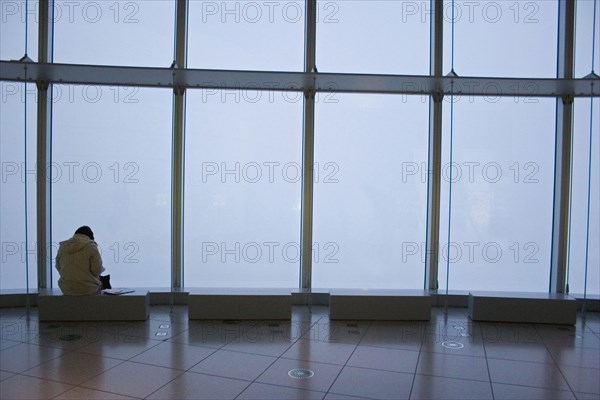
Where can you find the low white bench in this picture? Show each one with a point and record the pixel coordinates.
(54, 306)
(543, 308)
(390, 305)
(239, 304)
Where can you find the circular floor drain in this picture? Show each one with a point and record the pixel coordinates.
(301, 373)
(70, 338)
(453, 345)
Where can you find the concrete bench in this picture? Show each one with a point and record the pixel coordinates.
(54, 306)
(238, 304)
(543, 308)
(390, 305)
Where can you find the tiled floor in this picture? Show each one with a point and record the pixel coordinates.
(169, 357)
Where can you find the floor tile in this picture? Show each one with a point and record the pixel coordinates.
(303, 324)
(25, 356)
(586, 396)
(272, 344)
(568, 336)
(394, 335)
(492, 332)
(26, 387)
(350, 332)
(5, 344)
(452, 366)
(20, 330)
(526, 374)
(576, 356)
(592, 322)
(68, 336)
(337, 396)
(73, 368)
(208, 334)
(465, 345)
(261, 391)
(408, 329)
(372, 383)
(396, 360)
(513, 392)
(453, 331)
(584, 380)
(121, 347)
(234, 365)
(150, 329)
(79, 393)
(438, 388)
(132, 379)
(380, 358)
(5, 375)
(519, 352)
(173, 355)
(12, 313)
(324, 375)
(288, 330)
(190, 385)
(310, 350)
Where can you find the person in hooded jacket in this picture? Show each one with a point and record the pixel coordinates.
(79, 264)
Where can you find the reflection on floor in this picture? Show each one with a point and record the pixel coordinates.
(169, 357)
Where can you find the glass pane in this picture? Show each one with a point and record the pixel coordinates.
(379, 37)
(117, 32)
(370, 191)
(501, 38)
(18, 254)
(583, 38)
(242, 188)
(14, 40)
(502, 176)
(246, 35)
(578, 239)
(112, 171)
(579, 193)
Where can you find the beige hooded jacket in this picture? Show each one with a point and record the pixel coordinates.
(79, 264)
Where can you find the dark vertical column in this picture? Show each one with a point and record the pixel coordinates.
(178, 146)
(435, 149)
(562, 157)
(308, 150)
(44, 150)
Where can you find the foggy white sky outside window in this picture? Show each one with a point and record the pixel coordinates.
(371, 215)
(242, 218)
(121, 133)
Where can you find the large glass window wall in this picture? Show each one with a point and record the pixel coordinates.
(112, 147)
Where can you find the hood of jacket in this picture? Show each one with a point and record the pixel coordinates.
(76, 243)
